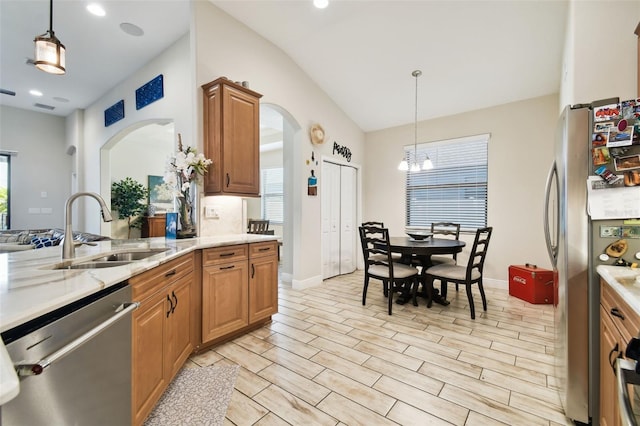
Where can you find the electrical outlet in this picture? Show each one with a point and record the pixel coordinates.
(210, 212)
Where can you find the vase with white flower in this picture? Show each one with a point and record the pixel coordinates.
(182, 174)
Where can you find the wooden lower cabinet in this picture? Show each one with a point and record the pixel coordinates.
(224, 299)
(162, 330)
(610, 347)
(263, 281)
(239, 288)
(618, 323)
(153, 226)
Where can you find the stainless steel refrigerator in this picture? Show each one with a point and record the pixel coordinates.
(574, 243)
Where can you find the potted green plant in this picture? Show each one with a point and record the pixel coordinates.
(128, 198)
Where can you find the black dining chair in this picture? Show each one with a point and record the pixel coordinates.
(379, 264)
(257, 226)
(448, 230)
(467, 275)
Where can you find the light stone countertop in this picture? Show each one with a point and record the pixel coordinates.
(29, 287)
(624, 281)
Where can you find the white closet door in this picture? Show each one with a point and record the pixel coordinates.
(339, 205)
(347, 219)
(330, 219)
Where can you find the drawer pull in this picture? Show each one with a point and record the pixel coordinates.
(227, 254)
(612, 362)
(228, 267)
(170, 306)
(170, 273)
(264, 249)
(616, 313)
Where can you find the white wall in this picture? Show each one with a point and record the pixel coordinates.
(42, 165)
(600, 51)
(520, 153)
(225, 47)
(175, 66)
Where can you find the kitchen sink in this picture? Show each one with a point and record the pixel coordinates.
(129, 255)
(118, 258)
(94, 265)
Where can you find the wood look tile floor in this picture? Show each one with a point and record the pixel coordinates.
(326, 359)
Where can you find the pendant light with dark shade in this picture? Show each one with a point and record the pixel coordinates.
(50, 52)
(415, 167)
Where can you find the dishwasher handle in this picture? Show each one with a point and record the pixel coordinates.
(626, 374)
(36, 368)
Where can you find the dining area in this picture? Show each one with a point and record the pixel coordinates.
(409, 265)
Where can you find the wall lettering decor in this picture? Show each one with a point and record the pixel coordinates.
(150, 92)
(342, 150)
(114, 113)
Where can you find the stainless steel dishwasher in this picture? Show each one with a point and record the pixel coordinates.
(74, 364)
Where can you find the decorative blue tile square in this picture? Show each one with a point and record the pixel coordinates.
(150, 92)
(114, 113)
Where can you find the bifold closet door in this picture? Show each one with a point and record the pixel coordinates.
(338, 219)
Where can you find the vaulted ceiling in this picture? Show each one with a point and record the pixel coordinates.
(473, 53)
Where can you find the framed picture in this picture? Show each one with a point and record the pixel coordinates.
(160, 195)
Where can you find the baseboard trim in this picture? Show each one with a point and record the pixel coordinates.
(308, 283)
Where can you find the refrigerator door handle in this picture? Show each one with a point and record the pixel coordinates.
(551, 248)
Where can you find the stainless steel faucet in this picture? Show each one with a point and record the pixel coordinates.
(68, 245)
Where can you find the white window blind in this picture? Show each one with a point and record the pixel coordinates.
(455, 190)
(272, 195)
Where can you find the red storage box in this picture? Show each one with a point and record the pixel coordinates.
(530, 283)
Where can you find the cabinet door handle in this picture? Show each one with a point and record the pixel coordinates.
(228, 180)
(253, 270)
(170, 306)
(616, 313)
(228, 267)
(173, 293)
(612, 362)
(170, 273)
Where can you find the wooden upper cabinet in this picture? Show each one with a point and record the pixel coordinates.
(231, 138)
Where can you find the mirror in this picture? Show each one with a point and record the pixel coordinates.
(138, 151)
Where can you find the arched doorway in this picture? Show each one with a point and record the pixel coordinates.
(120, 157)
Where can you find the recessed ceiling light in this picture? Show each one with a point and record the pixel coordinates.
(35, 92)
(60, 99)
(96, 9)
(321, 4)
(131, 29)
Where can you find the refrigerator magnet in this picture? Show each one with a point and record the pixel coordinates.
(606, 112)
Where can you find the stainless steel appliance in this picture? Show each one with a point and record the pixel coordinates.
(74, 364)
(575, 242)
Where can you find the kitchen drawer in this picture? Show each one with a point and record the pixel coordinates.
(624, 317)
(268, 248)
(217, 255)
(147, 283)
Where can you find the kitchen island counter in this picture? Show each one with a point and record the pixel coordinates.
(30, 288)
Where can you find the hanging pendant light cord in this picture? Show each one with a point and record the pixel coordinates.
(416, 74)
(51, 17)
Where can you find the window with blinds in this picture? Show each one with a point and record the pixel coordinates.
(273, 195)
(455, 190)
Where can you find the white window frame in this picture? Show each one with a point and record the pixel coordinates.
(455, 190)
(272, 190)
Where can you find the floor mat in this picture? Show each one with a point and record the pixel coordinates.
(197, 396)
